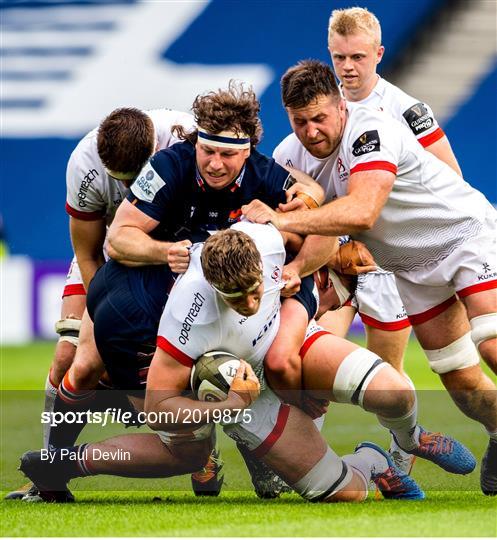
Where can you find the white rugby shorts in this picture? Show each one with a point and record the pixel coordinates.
(268, 417)
(470, 269)
(378, 302)
(186, 435)
(74, 281)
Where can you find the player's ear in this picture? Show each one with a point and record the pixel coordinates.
(380, 53)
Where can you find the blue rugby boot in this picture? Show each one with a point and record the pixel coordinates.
(392, 482)
(446, 452)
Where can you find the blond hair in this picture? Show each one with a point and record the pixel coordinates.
(345, 22)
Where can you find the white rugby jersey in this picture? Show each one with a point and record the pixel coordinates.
(196, 319)
(417, 115)
(430, 211)
(91, 193)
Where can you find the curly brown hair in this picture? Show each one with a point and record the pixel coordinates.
(303, 83)
(126, 139)
(231, 261)
(234, 109)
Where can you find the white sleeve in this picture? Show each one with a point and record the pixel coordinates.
(164, 120)
(283, 154)
(84, 177)
(421, 121)
(373, 142)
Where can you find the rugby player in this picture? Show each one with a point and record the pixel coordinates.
(237, 308)
(99, 173)
(207, 183)
(354, 41)
(420, 220)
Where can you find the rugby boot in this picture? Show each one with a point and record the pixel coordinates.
(19, 493)
(49, 481)
(403, 460)
(267, 484)
(449, 454)
(392, 482)
(488, 472)
(209, 481)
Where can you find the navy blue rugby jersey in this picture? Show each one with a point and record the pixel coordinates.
(170, 190)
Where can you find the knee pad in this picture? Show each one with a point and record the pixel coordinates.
(68, 330)
(459, 354)
(354, 374)
(329, 475)
(483, 327)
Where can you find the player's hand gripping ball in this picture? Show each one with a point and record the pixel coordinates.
(213, 375)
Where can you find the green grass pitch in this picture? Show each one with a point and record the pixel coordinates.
(109, 506)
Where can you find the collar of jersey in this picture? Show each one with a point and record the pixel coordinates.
(204, 186)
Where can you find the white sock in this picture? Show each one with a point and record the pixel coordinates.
(404, 428)
(50, 395)
(366, 462)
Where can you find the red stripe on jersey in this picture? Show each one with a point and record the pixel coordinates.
(84, 216)
(472, 289)
(428, 140)
(178, 355)
(388, 326)
(420, 318)
(374, 166)
(275, 434)
(74, 289)
(310, 340)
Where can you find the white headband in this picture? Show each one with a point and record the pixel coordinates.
(225, 139)
(122, 175)
(237, 293)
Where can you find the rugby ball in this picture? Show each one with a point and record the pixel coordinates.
(213, 374)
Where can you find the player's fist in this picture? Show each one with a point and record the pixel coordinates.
(354, 258)
(178, 256)
(292, 282)
(245, 387)
(258, 212)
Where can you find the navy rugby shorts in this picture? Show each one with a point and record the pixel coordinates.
(125, 305)
(308, 296)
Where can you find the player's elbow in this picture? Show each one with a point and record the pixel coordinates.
(279, 364)
(112, 252)
(152, 416)
(366, 220)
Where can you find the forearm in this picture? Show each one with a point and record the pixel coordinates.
(133, 247)
(283, 365)
(315, 252)
(179, 412)
(307, 184)
(88, 266)
(287, 384)
(443, 151)
(340, 217)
